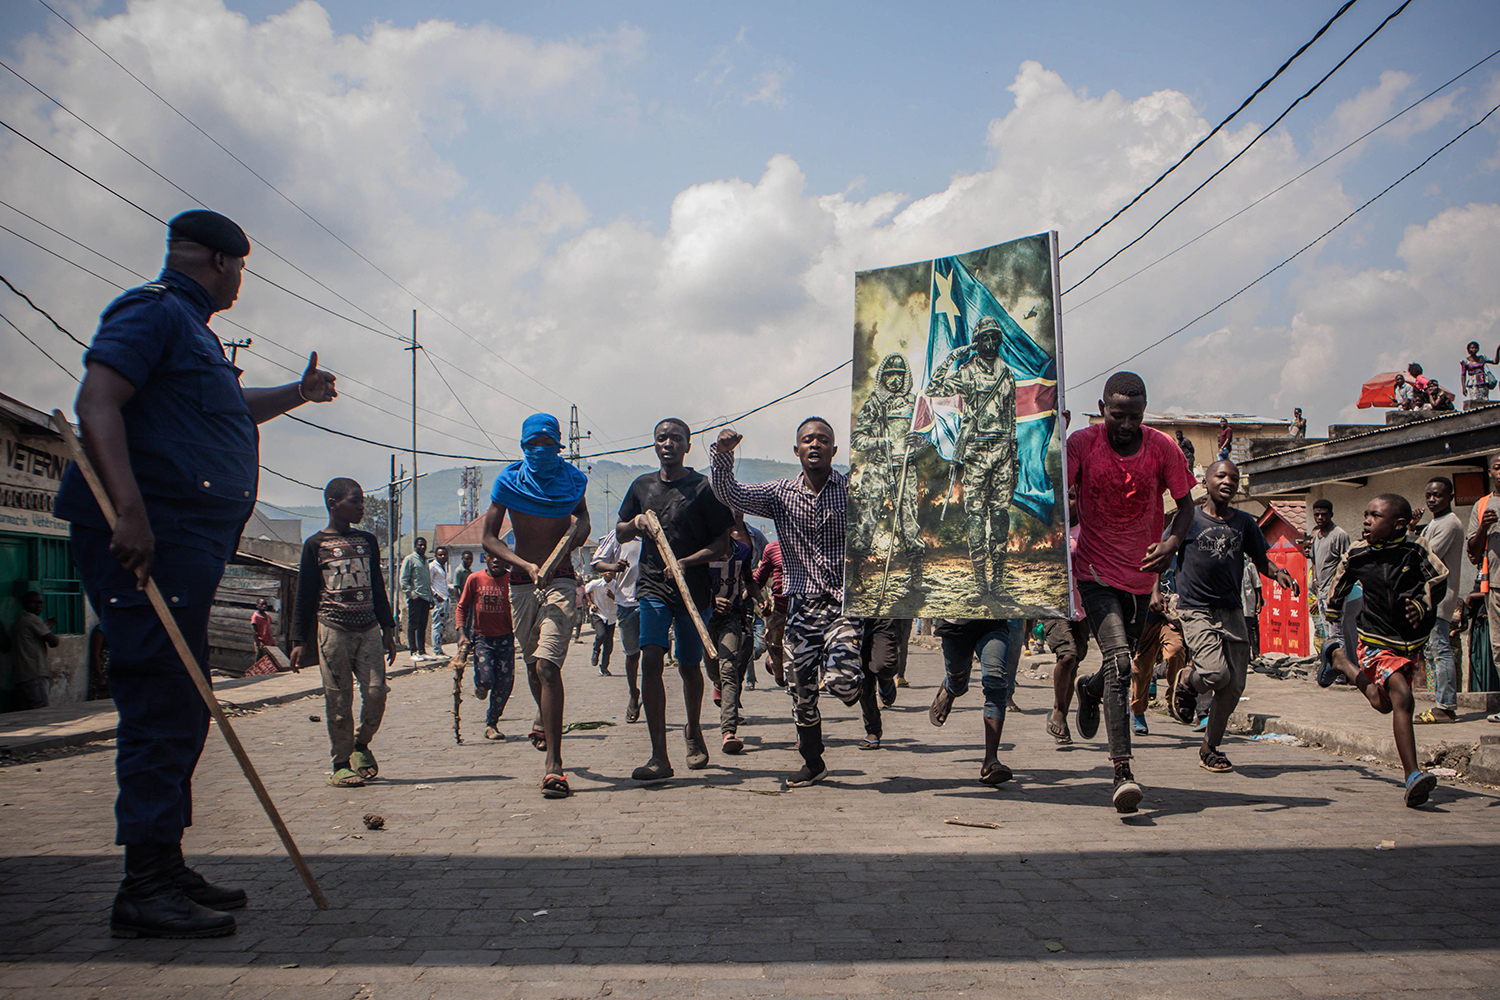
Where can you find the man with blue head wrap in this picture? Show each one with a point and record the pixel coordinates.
(544, 497)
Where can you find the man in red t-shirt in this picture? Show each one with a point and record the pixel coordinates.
(1120, 471)
(486, 594)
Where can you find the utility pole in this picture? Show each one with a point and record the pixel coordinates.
(393, 535)
(414, 348)
(574, 455)
(234, 347)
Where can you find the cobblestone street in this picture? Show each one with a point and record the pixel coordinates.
(1260, 883)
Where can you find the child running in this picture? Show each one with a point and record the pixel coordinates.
(696, 526)
(811, 515)
(484, 617)
(1403, 584)
(734, 594)
(544, 497)
(1210, 569)
(342, 607)
(1120, 470)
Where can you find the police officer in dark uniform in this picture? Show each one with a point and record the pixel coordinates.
(173, 436)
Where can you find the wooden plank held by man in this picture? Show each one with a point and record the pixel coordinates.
(194, 669)
(653, 526)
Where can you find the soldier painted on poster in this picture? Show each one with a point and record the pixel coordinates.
(956, 504)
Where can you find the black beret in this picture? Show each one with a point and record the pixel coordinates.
(210, 229)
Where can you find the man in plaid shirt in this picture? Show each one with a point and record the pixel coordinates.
(810, 513)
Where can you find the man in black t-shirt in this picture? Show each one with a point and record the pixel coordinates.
(1210, 570)
(696, 526)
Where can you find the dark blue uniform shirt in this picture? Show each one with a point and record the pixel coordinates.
(193, 445)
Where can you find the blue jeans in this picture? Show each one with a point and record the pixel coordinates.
(1444, 669)
(495, 668)
(998, 644)
(656, 617)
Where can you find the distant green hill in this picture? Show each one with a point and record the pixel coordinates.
(608, 480)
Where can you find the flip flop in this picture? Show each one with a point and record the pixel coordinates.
(555, 786)
(995, 773)
(870, 743)
(363, 761)
(1432, 715)
(1059, 733)
(538, 739)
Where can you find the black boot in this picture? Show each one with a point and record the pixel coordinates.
(150, 905)
(203, 892)
(813, 770)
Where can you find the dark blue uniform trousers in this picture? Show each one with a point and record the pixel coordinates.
(163, 721)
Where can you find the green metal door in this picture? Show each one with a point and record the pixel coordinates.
(15, 564)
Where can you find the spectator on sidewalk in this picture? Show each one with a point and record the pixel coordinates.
(1226, 438)
(1326, 546)
(342, 607)
(30, 639)
(416, 586)
(437, 572)
(260, 624)
(1403, 584)
(1483, 546)
(1445, 537)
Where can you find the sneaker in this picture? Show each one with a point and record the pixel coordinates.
(1328, 674)
(1182, 700)
(1088, 710)
(1419, 785)
(633, 707)
(942, 704)
(697, 752)
(749, 685)
(732, 743)
(438, 652)
(604, 672)
(1213, 760)
(481, 693)
(1151, 691)
(1128, 794)
(652, 770)
(1138, 725)
(805, 776)
(493, 735)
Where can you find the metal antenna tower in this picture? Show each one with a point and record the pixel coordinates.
(574, 436)
(468, 494)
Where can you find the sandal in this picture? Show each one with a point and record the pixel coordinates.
(995, 773)
(870, 743)
(1434, 715)
(555, 786)
(538, 739)
(732, 743)
(1059, 733)
(363, 761)
(345, 778)
(1213, 760)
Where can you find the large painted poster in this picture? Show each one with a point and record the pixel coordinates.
(957, 505)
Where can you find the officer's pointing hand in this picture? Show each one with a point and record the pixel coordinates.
(317, 386)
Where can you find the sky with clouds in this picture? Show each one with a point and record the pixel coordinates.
(659, 209)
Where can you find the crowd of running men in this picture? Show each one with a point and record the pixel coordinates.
(526, 599)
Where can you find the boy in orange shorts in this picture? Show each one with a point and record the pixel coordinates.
(1403, 583)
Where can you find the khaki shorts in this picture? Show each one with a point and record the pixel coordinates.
(543, 619)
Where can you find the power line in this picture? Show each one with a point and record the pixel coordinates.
(239, 326)
(1294, 256)
(1308, 93)
(282, 475)
(459, 400)
(1217, 128)
(394, 447)
(726, 423)
(38, 347)
(184, 192)
(285, 197)
(42, 311)
(1421, 100)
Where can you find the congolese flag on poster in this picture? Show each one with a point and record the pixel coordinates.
(959, 301)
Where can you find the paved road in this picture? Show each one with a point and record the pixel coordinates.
(1261, 883)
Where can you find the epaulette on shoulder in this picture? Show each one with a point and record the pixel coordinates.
(155, 289)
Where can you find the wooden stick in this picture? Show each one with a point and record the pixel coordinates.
(190, 663)
(675, 568)
(544, 572)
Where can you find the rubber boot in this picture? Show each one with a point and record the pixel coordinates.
(150, 905)
(203, 892)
